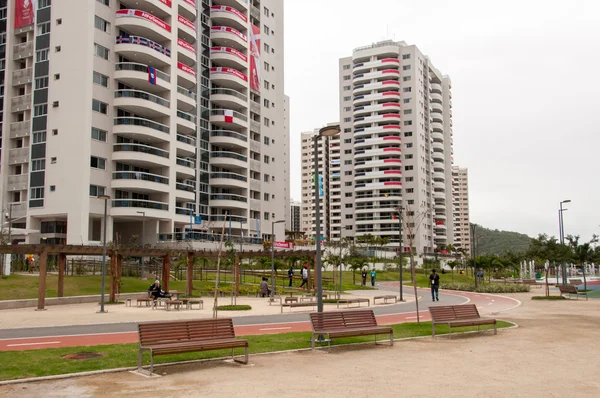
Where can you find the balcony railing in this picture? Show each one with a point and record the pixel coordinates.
(142, 41)
(221, 112)
(183, 186)
(186, 163)
(138, 121)
(186, 116)
(227, 91)
(133, 66)
(223, 196)
(230, 155)
(137, 175)
(228, 133)
(231, 176)
(138, 203)
(208, 237)
(186, 140)
(141, 148)
(183, 211)
(142, 95)
(187, 92)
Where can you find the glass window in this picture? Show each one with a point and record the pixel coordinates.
(97, 163)
(37, 193)
(39, 136)
(40, 110)
(99, 135)
(41, 82)
(42, 55)
(99, 106)
(101, 24)
(96, 190)
(38, 164)
(43, 28)
(100, 79)
(101, 51)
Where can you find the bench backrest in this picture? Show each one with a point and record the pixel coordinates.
(529, 281)
(454, 312)
(342, 320)
(576, 282)
(567, 289)
(175, 331)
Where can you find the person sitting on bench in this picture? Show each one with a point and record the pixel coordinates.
(157, 292)
(264, 288)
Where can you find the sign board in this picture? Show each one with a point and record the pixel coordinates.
(197, 219)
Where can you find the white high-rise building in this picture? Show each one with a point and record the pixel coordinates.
(462, 230)
(395, 148)
(175, 109)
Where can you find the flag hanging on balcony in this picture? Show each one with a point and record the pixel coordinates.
(394, 217)
(228, 116)
(151, 75)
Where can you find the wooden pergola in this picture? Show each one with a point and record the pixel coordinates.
(115, 257)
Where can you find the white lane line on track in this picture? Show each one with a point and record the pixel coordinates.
(69, 335)
(411, 317)
(25, 344)
(287, 327)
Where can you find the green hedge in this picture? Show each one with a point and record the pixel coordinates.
(487, 288)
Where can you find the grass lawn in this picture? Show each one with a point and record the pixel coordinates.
(46, 362)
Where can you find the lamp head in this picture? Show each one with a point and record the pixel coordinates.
(329, 131)
(104, 197)
(566, 201)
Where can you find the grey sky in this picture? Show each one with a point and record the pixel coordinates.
(525, 91)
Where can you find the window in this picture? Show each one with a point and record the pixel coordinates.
(347, 173)
(347, 162)
(96, 190)
(408, 111)
(100, 51)
(267, 122)
(347, 77)
(105, 2)
(266, 103)
(40, 110)
(43, 28)
(100, 79)
(406, 100)
(347, 109)
(346, 88)
(409, 156)
(267, 48)
(41, 82)
(266, 197)
(266, 159)
(57, 49)
(346, 67)
(38, 164)
(409, 145)
(410, 179)
(266, 215)
(44, 3)
(37, 193)
(99, 106)
(408, 168)
(266, 140)
(405, 56)
(266, 29)
(52, 188)
(39, 136)
(59, 21)
(101, 24)
(266, 12)
(347, 98)
(97, 163)
(348, 184)
(267, 66)
(406, 78)
(53, 160)
(347, 151)
(411, 202)
(41, 55)
(408, 122)
(347, 119)
(57, 76)
(347, 130)
(407, 89)
(348, 194)
(266, 178)
(266, 84)
(408, 134)
(405, 67)
(99, 135)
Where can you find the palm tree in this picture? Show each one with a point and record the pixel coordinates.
(452, 264)
(582, 253)
(357, 263)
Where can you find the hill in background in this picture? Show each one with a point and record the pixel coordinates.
(493, 241)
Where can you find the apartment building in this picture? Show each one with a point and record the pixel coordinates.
(293, 221)
(172, 108)
(460, 186)
(394, 149)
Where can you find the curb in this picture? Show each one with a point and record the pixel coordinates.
(133, 368)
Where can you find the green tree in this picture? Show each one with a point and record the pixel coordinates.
(583, 253)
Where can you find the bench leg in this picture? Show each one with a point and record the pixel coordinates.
(495, 331)
(392, 338)
(312, 341)
(140, 360)
(432, 329)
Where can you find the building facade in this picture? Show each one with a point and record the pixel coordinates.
(462, 230)
(293, 221)
(172, 108)
(394, 149)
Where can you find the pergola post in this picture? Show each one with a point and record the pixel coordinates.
(62, 260)
(237, 275)
(166, 272)
(113, 279)
(190, 274)
(42, 281)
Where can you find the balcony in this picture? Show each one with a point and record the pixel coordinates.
(437, 136)
(228, 118)
(228, 98)
(186, 52)
(136, 75)
(228, 139)
(141, 155)
(226, 36)
(384, 95)
(144, 24)
(20, 129)
(228, 16)
(229, 78)
(140, 128)
(379, 107)
(130, 207)
(186, 189)
(187, 8)
(228, 180)
(19, 209)
(186, 76)
(385, 63)
(18, 156)
(186, 122)
(186, 145)
(186, 29)
(186, 99)
(228, 201)
(185, 167)
(142, 50)
(18, 183)
(140, 182)
(161, 8)
(228, 159)
(380, 74)
(229, 57)
(142, 103)
(437, 127)
(435, 88)
(23, 50)
(22, 76)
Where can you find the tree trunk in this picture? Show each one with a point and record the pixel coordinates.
(547, 287)
(584, 279)
(414, 278)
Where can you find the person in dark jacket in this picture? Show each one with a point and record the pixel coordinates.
(364, 277)
(291, 274)
(156, 290)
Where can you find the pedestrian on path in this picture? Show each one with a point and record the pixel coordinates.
(364, 277)
(304, 274)
(291, 275)
(264, 288)
(373, 275)
(434, 283)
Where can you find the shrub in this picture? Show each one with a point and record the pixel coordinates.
(548, 298)
(487, 288)
(234, 307)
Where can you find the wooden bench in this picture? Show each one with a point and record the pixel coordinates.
(346, 324)
(575, 282)
(291, 300)
(354, 301)
(385, 298)
(296, 304)
(531, 282)
(174, 303)
(570, 289)
(458, 315)
(173, 337)
(189, 303)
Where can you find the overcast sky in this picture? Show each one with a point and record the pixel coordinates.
(525, 85)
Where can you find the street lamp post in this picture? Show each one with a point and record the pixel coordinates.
(400, 264)
(273, 256)
(561, 232)
(105, 198)
(328, 131)
(473, 243)
(143, 213)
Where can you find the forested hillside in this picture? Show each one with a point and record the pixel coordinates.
(493, 241)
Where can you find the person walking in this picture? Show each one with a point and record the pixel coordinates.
(364, 277)
(291, 275)
(434, 283)
(304, 273)
(373, 275)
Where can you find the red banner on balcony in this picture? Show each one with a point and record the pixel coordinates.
(392, 104)
(391, 71)
(186, 45)
(230, 51)
(391, 93)
(230, 71)
(186, 68)
(391, 60)
(191, 2)
(186, 22)
(229, 30)
(394, 82)
(255, 58)
(284, 245)
(392, 115)
(166, 2)
(231, 10)
(392, 183)
(439, 223)
(144, 15)
(24, 15)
